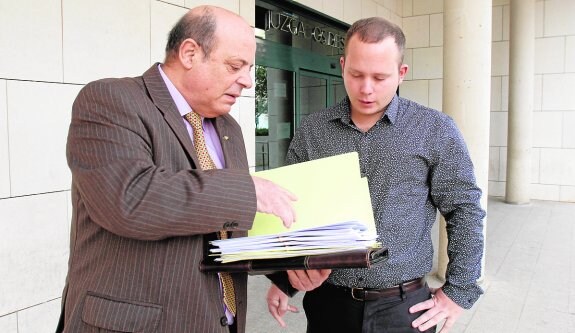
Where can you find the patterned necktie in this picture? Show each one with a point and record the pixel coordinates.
(206, 163)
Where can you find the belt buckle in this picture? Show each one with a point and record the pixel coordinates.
(353, 294)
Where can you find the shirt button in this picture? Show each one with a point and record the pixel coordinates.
(224, 321)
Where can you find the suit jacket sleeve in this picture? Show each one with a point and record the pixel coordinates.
(137, 180)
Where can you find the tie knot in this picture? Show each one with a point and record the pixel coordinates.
(204, 158)
(195, 120)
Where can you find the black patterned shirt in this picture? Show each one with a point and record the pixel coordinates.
(416, 163)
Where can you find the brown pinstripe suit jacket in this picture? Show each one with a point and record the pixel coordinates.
(141, 211)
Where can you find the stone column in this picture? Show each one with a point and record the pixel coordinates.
(521, 76)
(467, 87)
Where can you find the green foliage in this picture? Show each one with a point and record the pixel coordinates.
(261, 93)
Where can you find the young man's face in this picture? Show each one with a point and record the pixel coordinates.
(371, 72)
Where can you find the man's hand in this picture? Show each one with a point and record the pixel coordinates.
(306, 280)
(278, 304)
(274, 199)
(439, 308)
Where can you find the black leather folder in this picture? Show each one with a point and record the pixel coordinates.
(364, 258)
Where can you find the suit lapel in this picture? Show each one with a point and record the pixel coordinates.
(163, 100)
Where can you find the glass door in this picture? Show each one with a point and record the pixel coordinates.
(317, 91)
(274, 115)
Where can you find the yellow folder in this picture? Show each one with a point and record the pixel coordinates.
(329, 190)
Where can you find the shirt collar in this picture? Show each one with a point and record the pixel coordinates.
(343, 111)
(183, 106)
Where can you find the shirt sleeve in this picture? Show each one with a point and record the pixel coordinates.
(457, 196)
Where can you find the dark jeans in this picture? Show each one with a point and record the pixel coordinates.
(332, 310)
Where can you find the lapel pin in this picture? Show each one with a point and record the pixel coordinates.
(226, 137)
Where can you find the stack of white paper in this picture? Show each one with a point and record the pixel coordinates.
(331, 238)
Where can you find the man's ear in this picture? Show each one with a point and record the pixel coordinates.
(342, 63)
(403, 68)
(188, 52)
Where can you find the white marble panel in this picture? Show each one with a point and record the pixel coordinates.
(568, 167)
(557, 166)
(436, 94)
(395, 6)
(34, 246)
(537, 92)
(547, 129)
(31, 40)
(493, 163)
(38, 119)
(164, 17)
(549, 55)
(567, 193)
(570, 54)
(408, 60)
(416, 30)
(496, 93)
(544, 192)
(315, 4)
(428, 63)
(417, 91)
(407, 8)
(568, 129)
(436, 30)
(106, 38)
(368, 8)
(539, 18)
(558, 91)
(5, 158)
(496, 189)
(506, 23)
(422, 7)
(37, 319)
(500, 58)
(9, 323)
(535, 162)
(248, 12)
(351, 11)
(175, 2)
(383, 12)
(498, 129)
(231, 5)
(497, 23)
(396, 19)
(333, 8)
(558, 19)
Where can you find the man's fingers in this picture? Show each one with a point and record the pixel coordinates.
(306, 280)
(425, 305)
(274, 312)
(292, 309)
(276, 200)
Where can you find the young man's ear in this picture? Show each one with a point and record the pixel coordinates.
(188, 52)
(342, 63)
(403, 68)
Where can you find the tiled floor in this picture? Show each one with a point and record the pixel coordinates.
(529, 278)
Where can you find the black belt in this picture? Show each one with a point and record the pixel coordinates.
(370, 294)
